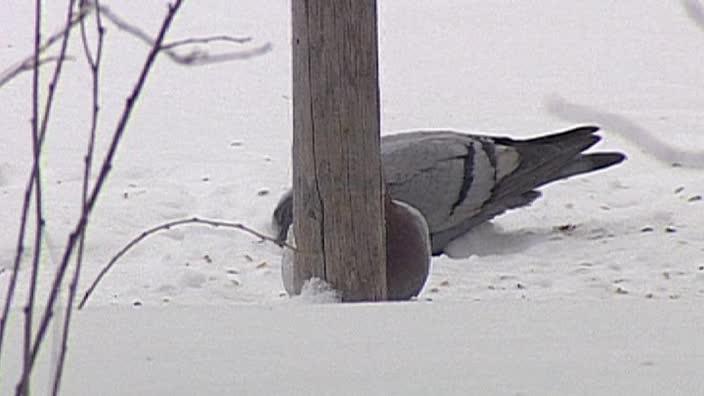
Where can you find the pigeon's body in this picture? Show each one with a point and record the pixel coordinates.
(407, 250)
(407, 253)
(459, 180)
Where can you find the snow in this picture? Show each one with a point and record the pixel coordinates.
(554, 347)
(594, 289)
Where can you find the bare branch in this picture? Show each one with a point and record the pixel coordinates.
(194, 57)
(27, 64)
(38, 134)
(100, 181)
(621, 125)
(26, 203)
(13, 72)
(166, 227)
(94, 62)
(205, 40)
(23, 385)
(7, 75)
(19, 251)
(200, 58)
(76, 237)
(695, 12)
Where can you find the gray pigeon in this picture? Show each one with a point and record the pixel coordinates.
(458, 180)
(407, 253)
(407, 250)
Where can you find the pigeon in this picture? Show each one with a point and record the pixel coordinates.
(408, 250)
(459, 180)
(407, 253)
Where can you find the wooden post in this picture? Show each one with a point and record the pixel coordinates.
(337, 179)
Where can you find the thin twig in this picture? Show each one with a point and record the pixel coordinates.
(13, 72)
(19, 251)
(125, 26)
(200, 58)
(205, 40)
(23, 386)
(168, 226)
(38, 134)
(84, 35)
(94, 63)
(100, 181)
(195, 57)
(157, 45)
(192, 58)
(28, 63)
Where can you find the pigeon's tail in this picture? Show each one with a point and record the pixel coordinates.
(582, 135)
(542, 160)
(558, 156)
(586, 163)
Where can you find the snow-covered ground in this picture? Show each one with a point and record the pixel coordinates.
(595, 289)
(554, 347)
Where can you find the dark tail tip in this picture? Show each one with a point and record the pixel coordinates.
(586, 163)
(604, 159)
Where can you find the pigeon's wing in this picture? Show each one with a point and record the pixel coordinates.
(448, 176)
